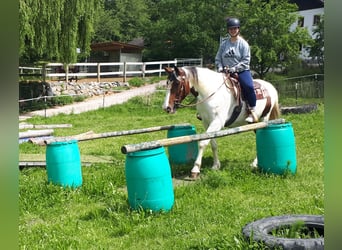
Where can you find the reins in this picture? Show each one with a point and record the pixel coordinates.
(205, 99)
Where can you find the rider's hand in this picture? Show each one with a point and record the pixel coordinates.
(220, 69)
(232, 70)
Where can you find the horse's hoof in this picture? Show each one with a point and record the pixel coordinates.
(192, 177)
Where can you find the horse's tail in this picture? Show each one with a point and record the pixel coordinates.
(275, 112)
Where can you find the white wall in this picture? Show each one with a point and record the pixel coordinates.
(308, 23)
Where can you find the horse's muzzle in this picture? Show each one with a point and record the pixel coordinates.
(170, 110)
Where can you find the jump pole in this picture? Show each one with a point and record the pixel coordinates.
(92, 136)
(197, 137)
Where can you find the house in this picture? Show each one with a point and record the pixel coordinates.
(310, 12)
(117, 52)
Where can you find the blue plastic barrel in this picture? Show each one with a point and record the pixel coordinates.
(149, 180)
(276, 148)
(186, 152)
(63, 163)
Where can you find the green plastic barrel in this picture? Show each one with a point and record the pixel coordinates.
(276, 149)
(186, 152)
(63, 163)
(148, 180)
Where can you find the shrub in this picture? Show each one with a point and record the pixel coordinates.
(62, 100)
(136, 82)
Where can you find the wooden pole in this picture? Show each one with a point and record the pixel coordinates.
(40, 126)
(197, 137)
(116, 133)
(35, 133)
(41, 142)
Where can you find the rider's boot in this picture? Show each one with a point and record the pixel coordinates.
(252, 117)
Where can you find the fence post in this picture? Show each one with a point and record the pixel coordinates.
(124, 72)
(143, 69)
(67, 74)
(44, 72)
(318, 92)
(98, 72)
(296, 93)
(160, 68)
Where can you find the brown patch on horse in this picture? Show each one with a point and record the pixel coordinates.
(262, 93)
(233, 84)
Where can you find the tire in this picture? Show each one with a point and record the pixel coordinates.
(260, 231)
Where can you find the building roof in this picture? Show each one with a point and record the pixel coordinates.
(308, 4)
(110, 46)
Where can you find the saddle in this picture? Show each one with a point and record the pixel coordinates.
(232, 82)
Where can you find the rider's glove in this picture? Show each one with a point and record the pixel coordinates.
(220, 69)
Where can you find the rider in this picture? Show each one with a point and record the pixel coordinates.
(234, 56)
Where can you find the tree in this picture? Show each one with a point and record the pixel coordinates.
(53, 30)
(265, 24)
(316, 51)
(184, 29)
(122, 21)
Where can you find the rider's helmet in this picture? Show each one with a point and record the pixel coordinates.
(233, 22)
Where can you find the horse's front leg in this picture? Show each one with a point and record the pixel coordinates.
(214, 126)
(216, 163)
(195, 171)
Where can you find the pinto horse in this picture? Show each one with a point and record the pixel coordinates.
(219, 103)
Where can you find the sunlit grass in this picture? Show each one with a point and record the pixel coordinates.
(208, 214)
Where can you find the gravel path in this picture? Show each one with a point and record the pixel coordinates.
(97, 102)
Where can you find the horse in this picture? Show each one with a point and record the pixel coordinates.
(219, 103)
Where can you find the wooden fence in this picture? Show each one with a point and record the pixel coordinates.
(105, 69)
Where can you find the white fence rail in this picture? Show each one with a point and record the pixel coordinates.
(105, 69)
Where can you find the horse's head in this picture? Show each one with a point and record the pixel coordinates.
(178, 88)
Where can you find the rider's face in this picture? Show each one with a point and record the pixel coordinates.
(233, 31)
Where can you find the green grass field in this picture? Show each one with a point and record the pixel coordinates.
(207, 214)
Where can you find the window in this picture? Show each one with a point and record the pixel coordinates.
(300, 22)
(316, 19)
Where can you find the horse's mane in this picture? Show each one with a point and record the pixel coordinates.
(191, 72)
(194, 73)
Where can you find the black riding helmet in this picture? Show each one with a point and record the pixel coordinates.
(233, 22)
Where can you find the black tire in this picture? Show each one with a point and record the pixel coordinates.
(260, 231)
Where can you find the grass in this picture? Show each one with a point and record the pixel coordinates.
(207, 214)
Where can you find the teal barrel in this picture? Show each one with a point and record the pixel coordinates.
(148, 180)
(276, 149)
(186, 152)
(63, 163)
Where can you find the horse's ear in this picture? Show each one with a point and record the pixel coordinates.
(168, 70)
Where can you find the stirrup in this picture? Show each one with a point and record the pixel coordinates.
(252, 117)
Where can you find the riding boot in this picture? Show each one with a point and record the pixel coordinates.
(252, 117)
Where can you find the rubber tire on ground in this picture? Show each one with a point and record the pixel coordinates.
(260, 231)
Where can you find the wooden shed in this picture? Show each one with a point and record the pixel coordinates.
(117, 52)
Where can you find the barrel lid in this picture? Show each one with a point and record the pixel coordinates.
(278, 125)
(183, 126)
(63, 142)
(148, 152)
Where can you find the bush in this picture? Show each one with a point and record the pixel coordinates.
(62, 100)
(136, 82)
